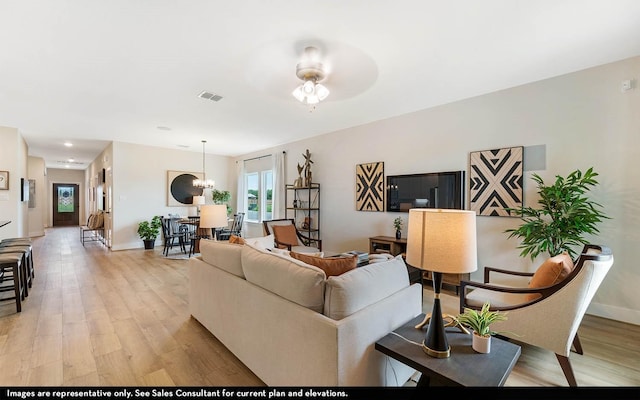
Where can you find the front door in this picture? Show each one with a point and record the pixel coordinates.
(65, 204)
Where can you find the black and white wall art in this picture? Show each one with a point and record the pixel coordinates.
(370, 187)
(495, 181)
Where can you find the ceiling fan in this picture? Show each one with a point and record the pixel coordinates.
(311, 71)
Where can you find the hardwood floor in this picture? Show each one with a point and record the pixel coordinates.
(101, 318)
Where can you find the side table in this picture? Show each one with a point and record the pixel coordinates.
(464, 367)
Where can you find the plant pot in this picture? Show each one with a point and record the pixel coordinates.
(481, 344)
(149, 244)
(398, 234)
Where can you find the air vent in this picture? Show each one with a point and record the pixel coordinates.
(70, 162)
(210, 96)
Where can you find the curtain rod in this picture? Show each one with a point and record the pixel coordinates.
(259, 157)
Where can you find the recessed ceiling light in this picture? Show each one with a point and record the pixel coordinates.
(68, 144)
(71, 160)
(164, 128)
(184, 146)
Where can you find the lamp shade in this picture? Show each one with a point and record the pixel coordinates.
(213, 216)
(198, 200)
(442, 240)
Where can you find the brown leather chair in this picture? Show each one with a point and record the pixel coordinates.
(287, 236)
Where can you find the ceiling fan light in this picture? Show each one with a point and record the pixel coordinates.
(308, 87)
(298, 94)
(313, 99)
(322, 92)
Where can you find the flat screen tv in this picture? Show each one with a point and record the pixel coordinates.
(429, 190)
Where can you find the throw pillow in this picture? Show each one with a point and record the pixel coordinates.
(286, 234)
(263, 242)
(90, 221)
(96, 222)
(236, 239)
(552, 271)
(332, 266)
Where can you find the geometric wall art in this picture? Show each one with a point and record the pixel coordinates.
(495, 181)
(370, 187)
(180, 189)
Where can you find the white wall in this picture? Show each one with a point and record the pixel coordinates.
(38, 215)
(583, 119)
(140, 186)
(13, 158)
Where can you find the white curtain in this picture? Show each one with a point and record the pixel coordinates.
(240, 197)
(279, 179)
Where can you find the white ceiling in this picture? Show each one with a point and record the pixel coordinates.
(92, 72)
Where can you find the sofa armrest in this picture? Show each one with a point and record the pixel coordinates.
(358, 361)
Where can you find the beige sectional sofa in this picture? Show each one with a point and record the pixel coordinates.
(291, 325)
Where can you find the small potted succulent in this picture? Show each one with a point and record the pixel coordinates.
(149, 231)
(480, 322)
(397, 224)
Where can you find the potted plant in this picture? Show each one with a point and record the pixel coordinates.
(397, 224)
(566, 214)
(149, 231)
(480, 322)
(222, 197)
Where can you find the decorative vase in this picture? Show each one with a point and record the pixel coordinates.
(481, 344)
(398, 234)
(149, 244)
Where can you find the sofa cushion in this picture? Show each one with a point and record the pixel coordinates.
(331, 265)
(224, 255)
(356, 289)
(291, 279)
(286, 234)
(263, 242)
(552, 271)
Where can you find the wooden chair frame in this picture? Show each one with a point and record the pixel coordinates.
(544, 292)
(302, 239)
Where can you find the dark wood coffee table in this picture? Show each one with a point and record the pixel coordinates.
(464, 367)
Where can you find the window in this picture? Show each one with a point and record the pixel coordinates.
(259, 195)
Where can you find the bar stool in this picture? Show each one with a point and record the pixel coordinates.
(27, 273)
(12, 242)
(10, 269)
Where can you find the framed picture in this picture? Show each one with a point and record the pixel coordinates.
(370, 187)
(495, 181)
(180, 189)
(4, 180)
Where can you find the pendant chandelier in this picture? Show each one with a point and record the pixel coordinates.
(203, 183)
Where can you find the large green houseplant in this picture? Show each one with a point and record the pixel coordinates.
(565, 216)
(149, 231)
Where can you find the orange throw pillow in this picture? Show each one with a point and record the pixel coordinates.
(552, 271)
(331, 266)
(285, 234)
(236, 239)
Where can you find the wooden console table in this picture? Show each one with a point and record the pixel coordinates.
(393, 246)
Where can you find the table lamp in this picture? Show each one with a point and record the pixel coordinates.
(198, 201)
(213, 216)
(441, 241)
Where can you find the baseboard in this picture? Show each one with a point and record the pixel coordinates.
(616, 313)
(36, 234)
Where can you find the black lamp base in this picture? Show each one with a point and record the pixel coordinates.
(435, 343)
